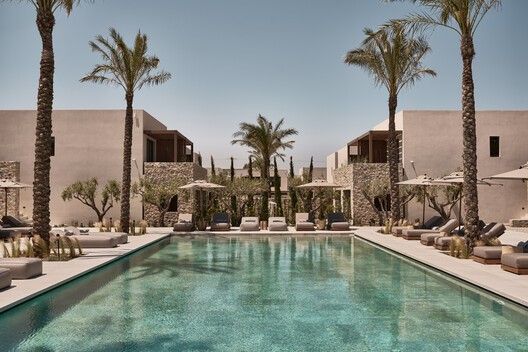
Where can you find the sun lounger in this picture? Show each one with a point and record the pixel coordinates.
(184, 224)
(11, 232)
(277, 223)
(90, 241)
(492, 230)
(5, 278)
(433, 221)
(487, 254)
(337, 222)
(11, 221)
(220, 222)
(250, 223)
(303, 223)
(516, 263)
(121, 237)
(416, 234)
(22, 268)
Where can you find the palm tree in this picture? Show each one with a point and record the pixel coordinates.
(463, 17)
(264, 142)
(130, 69)
(43, 133)
(394, 59)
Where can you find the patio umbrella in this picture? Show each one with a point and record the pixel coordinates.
(201, 185)
(10, 184)
(319, 184)
(518, 174)
(423, 181)
(457, 179)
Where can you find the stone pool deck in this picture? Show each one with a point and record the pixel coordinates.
(489, 277)
(58, 273)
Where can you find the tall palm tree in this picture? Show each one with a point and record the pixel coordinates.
(462, 17)
(46, 10)
(130, 68)
(264, 141)
(394, 59)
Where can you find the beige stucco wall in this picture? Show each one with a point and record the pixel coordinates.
(433, 140)
(88, 143)
(336, 160)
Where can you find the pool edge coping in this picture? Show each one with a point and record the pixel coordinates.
(474, 284)
(69, 279)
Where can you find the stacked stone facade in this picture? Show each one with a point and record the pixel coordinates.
(354, 177)
(10, 170)
(181, 172)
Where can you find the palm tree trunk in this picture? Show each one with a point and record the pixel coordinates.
(43, 141)
(127, 161)
(393, 154)
(469, 155)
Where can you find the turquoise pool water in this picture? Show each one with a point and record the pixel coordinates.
(264, 294)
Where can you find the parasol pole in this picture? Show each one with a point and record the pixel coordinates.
(5, 201)
(423, 206)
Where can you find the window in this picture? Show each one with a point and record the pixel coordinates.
(173, 206)
(150, 150)
(52, 146)
(494, 142)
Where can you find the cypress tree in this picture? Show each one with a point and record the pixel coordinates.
(276, 185)
(234, 215)
(251, 201)
(213, 171)
(292, 192)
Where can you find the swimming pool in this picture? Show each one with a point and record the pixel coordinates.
(277, 293)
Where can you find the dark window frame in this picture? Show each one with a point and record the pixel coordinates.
(494, 146)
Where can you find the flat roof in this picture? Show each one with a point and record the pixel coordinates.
(157, 133)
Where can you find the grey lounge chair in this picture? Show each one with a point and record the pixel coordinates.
(433, 221)
(11, 232)
(88, 241)
(337, 222)
(220, 222)
(303, 222)
(516, 263)
(250, 223)
(22, 268)
(11, 221)
(184, 224)
(487, 254)
(277, 223)
(493, 230)
(121, 237)
(5, 278)
(416, 234)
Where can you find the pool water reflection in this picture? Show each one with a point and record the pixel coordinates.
(277, 293)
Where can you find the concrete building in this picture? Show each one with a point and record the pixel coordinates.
(283, 176)
(431, 143)
(89, 143)
(318, 173)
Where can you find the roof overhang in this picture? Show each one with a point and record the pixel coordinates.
(166, 134)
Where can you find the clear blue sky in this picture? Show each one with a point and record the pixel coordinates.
(233, 59)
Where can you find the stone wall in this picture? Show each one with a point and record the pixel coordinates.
(362, 212)
(183, 173)
(353, 177)
(10, 170)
